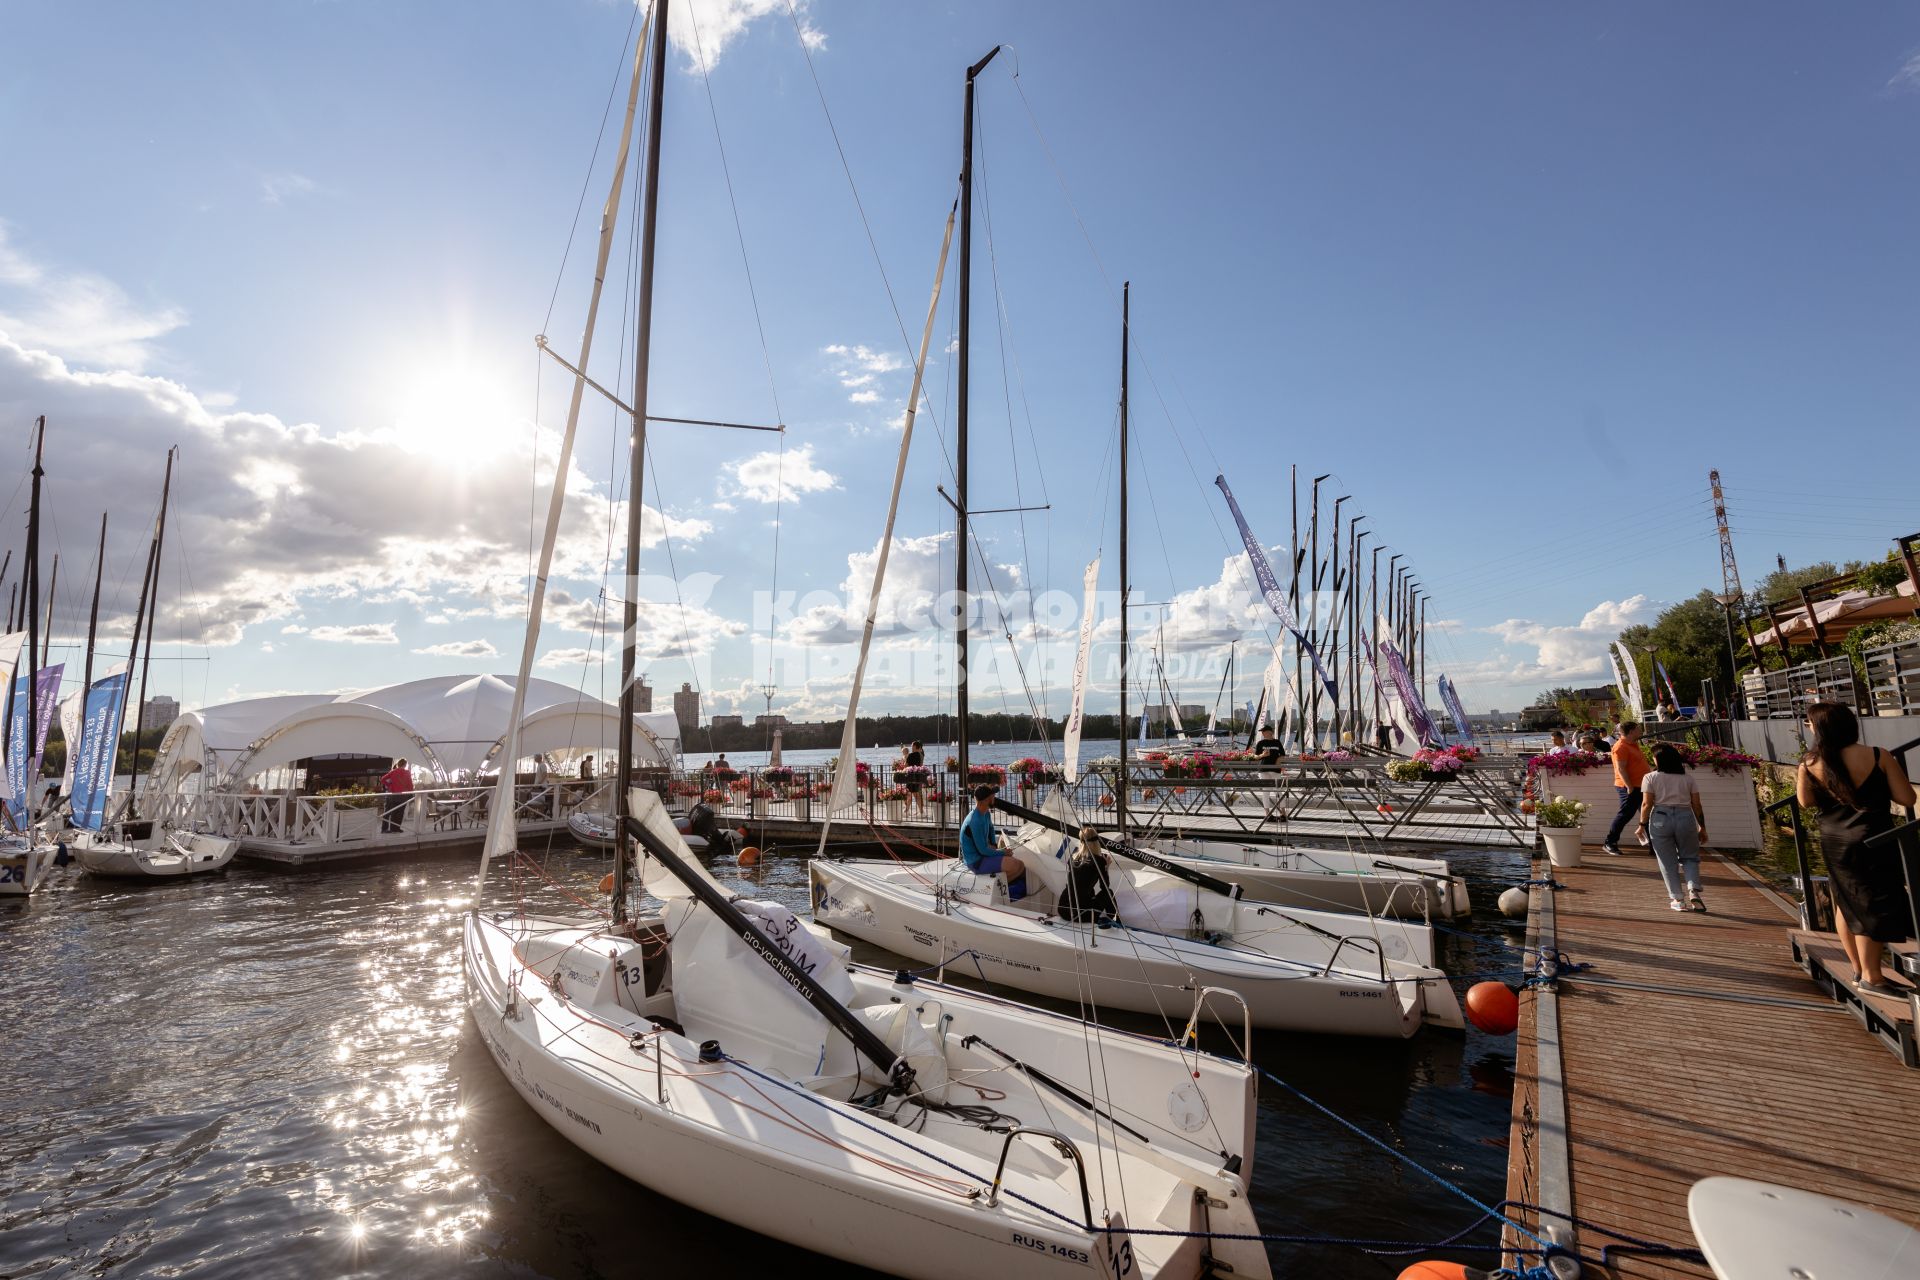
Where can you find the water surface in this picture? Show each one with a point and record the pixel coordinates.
(270, 1074)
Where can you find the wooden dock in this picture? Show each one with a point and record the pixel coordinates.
(1695, 1045)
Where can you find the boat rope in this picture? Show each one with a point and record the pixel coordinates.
(1409, 1161)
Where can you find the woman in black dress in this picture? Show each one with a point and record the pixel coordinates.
(1855, 788)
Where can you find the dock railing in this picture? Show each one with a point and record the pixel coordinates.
(287, 817)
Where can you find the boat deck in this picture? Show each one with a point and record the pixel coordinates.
(1696, 1045)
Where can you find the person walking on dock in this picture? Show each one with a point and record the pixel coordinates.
(1629, 767)
(1856, 787)
(1670, 812)
(916, 758)
(397, 782)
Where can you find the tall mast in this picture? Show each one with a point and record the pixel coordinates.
(963, 629)
(93, 620)
(636, 506)
(53, 588)
(1295, 554)
(30, 586)
(153, 625)
(1126, 322)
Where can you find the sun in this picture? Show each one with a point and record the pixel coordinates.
(457, 414)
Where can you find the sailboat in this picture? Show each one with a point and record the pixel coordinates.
(725, 1054)
(1174, 930)
(129, 847)
(27, 854)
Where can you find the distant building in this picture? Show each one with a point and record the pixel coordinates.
(1192, 714)
(686, 709)
(159, 712)
(774, 721)
(725, 722)
(643, 695)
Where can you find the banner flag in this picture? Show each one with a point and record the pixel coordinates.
(1450, 697)
(1667, 680)
(23, 760)
(1373, 672)
(1417, 716)
(1143, 727)
(1270, 589)
(97, 747)
(1630, 685)
(1071, 744)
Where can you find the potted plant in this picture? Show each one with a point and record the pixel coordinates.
(356, 811)
(757, 797)
(895, 798)
(1028, 770)
(1560, 818)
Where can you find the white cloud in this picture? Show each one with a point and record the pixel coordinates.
(859, 367)
(80, 317)
(278, 188)
(1569, 652)
(356, 633)
(773, 477)
(570, 658)
(702, 29)
(915, 569)
(864, 397)
(1907, 78)
(461, 649)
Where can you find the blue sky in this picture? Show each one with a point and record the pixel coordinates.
(1517, 277)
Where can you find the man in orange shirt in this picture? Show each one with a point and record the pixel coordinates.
(1629, 767)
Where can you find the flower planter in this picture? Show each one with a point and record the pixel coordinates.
(1026, 793)
(757, 806)
(1563, 845)
(896, 811)
(1727, 799)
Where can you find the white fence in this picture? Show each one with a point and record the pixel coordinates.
(286, 817)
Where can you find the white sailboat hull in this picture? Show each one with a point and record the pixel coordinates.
(1327, 879)
(756, 1150)
(24, 865)
(168, 855)
(1292, 977)
(596, 831)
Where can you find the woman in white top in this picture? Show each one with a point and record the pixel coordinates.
(1670, 814)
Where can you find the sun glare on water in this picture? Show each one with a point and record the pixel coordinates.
(458, 416)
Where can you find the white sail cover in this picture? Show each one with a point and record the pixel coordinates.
(1071, 744)
(645, 806)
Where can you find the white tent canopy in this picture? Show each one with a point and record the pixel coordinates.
(446, 725)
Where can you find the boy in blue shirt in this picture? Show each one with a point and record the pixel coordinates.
(977, 851)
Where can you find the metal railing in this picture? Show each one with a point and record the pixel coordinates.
(287, 817)
(1893, 678)
(1786, 694)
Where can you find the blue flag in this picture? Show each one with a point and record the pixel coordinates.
(23, 758)
(94, 754)
(1270, 588)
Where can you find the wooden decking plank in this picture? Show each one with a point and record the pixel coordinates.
(1667, 1086)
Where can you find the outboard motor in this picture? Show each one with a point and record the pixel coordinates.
(702, 821)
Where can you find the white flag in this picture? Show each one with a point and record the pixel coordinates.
(1072, 741)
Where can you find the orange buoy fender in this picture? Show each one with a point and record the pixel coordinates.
(1441, 1270)
(749, 856)
(1495, 1009)
(606, 883)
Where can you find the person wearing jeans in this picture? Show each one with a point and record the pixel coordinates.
(1629, 767)
(1670, 813)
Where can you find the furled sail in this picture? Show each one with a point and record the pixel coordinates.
(1071, 742)
(843, 774)
(502, 829)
